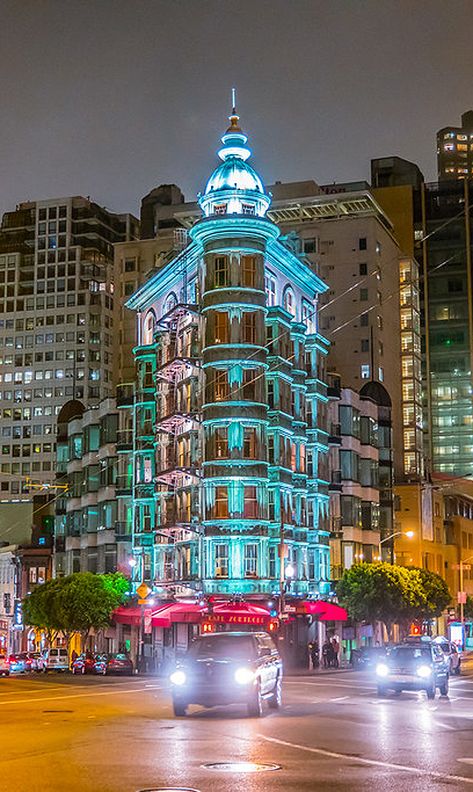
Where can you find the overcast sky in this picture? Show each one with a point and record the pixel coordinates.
(109, 98)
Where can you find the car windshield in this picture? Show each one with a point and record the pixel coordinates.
(223, 647)
(409, 654)
(119, 657)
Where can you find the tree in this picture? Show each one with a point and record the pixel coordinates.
(437, 595)
(381, 592)
(40, 608)
(77, 603)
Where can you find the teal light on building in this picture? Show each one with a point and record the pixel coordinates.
(230, 460)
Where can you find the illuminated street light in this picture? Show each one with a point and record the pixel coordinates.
(409, 535)
(289, 571)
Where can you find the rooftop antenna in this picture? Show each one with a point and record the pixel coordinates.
(233, 101)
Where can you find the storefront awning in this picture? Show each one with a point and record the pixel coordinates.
(325, 611)
(124, 615)
(184, 612)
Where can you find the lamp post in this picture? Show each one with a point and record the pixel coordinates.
(461, 567)
(409, 535)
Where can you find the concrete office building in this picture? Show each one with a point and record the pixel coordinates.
(455, 149)
(58, 337)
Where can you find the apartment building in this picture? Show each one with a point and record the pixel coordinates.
(455, 149)
(57, 328)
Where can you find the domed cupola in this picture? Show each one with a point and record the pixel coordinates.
(234, 187)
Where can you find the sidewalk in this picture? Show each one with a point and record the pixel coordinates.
(318, 672)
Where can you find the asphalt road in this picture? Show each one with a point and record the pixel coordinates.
(98, 734)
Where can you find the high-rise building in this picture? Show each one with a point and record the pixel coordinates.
(455, 150)
(230, 476)
(58, 337)
(361, 504)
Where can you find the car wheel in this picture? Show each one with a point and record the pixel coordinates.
(255, 704)
(382, 690)
(431, 692)
(276, 698)
(180, 709)
(444, 688)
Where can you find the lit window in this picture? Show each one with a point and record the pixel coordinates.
(289, 301)
(248, 271)
(365, 371)
(221, 271)
(221, 502)
(148, 329)
(250, 560)
(270, 288)
(248, 209)
(221, 442)
(220, 209)
(221, 560)
(221, 328)
(249, 327)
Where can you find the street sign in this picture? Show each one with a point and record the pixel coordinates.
(143, 590)
(147, 621)
(142, 602)
(462, 597)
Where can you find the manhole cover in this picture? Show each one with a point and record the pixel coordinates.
(241, 767)
(169, 789)
(62, 711)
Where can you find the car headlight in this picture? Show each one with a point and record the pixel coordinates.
(424, 671)
(243, 676)
(178, 678)
(382, 670)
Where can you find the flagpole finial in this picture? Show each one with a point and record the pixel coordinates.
(233, 101)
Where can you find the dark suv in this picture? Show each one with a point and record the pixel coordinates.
(229, 668)
(413, 666)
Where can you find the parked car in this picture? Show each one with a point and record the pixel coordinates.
(56, 660)
(413, 666)
(89, 663)
(4, 665)
(27, 659)
(17, 664)
(452, 654)
(37, 661)
(119, 663)
(229, 668)
(366, 657)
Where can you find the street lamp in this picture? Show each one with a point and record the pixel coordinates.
(409, 535)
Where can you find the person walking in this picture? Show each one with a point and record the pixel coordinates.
(336, 651)
(314, 655)
(326, 653)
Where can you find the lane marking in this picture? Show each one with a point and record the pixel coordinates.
(340, 698)
(371, 762)
(72, 696)
(445, 725)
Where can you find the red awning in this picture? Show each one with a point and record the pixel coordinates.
(124, 615)
(184, 612)
(325, 611)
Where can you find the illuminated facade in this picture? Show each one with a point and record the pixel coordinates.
(455, 150)
(230, 460)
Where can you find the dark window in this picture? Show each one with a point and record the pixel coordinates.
(364, 268)
(362, 245)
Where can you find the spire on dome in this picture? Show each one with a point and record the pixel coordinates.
(234, 183)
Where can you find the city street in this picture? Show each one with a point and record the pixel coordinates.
(119, 735)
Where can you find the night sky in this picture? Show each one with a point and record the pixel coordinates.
(110, 98)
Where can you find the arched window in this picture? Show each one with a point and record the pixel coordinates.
(170, 303)
(148, 328)
(289, 301)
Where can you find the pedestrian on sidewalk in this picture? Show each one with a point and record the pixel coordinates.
(336, 651)
(326, 653)
(314, 654)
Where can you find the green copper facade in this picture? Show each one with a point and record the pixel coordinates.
(230, 457)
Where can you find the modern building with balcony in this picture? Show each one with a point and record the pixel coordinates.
(93, 507)
(361, 474)
(230, 477)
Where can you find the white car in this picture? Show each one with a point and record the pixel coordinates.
(4, 666)
(452, 654)
(56, 660)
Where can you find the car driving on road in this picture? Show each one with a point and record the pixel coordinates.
(413, 666)
(229, 668)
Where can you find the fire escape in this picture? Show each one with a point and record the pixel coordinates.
(178, 445)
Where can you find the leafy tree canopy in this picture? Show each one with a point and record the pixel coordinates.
(391, 593)
(76, 603)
